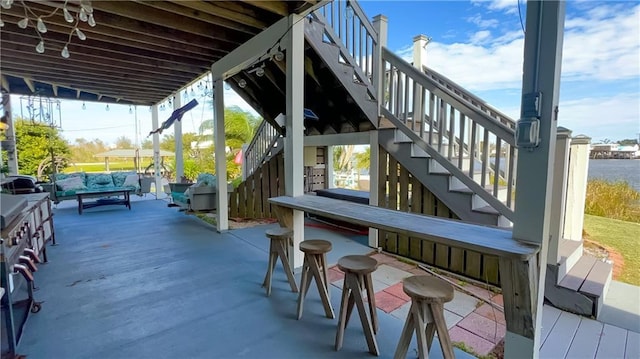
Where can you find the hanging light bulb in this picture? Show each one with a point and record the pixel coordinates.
(81, 34)
(1, 23)
(83, 15)
(348, 11)
(278, 56)
(130, 109)
(23, 23)
(242, 83)
(107, 108)
(41, 26)
(185, 96)
(227, 86)
(40, 47)
(65, 52)
(84, 105)
(67, 15)
(6, 4)
(86, 5)
(91, 21)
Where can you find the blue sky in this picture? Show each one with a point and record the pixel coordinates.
(478, 44)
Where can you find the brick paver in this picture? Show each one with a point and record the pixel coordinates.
(479, 345)
(396, 290)
(483, 327)
(388, 302)
(490, 312)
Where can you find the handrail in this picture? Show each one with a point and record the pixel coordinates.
(352, 31)
(461, 135)
(261, 147)
(469, 97)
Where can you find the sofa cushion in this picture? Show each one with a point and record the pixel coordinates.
(207, 179)
(120, 177)
(99, 180)
(131, 180)
(71, 184)
(62, 176)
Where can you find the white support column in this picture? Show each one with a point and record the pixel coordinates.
(541, 74)
(329, 167)
(419, 59)
(10, 134)
(222, 214)
(177, 131)
(156, 153)
(576, 187)
(294, 125)
(374, 181)
(380, 23)
(559, 194)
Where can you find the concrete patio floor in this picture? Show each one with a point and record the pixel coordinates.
(154, 283)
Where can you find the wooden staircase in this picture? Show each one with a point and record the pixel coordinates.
(455, 144)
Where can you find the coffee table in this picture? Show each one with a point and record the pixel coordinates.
(83, 195)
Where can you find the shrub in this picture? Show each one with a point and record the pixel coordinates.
(616, 200)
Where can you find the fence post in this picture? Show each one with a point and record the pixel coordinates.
(576, 187)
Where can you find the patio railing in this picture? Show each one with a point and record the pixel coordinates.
(262, 147)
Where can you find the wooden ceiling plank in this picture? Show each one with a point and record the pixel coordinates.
(9, 64)
(108, 52)
(277, 7)
(127, 28)
(100, 57)
(114, 69)
(158, 17)
(213, 9)
(179, 9)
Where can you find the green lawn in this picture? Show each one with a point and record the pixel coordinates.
(621, 236)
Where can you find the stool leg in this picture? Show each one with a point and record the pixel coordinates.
(417, 310)
(437, 312)
(323, 263)
(342, 321)
(366, 325)
(287, 269)
(304, 286)
(267, 279)
(405, 337)
(372, 302)
(322, 288)
(271, 265)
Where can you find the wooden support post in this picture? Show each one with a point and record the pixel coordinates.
(10, 134)
(294, 124)
(374, 181)
(156, 153)
(177, 132)
(558, 198)
(540, 90)
(222, 214)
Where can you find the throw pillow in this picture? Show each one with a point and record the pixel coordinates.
(208, 179)
(71, 184)
(131, 181)
(99, 180)
(119, 177)
(63, 176)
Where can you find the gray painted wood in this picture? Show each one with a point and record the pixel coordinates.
(585, 343)
(598, 279)
(563, 298)
(549, 317)
(574, 279)
(483, 239)
(561, 336)
(632, 349)
(612, 342)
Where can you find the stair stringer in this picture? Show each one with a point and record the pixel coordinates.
(459, 203)
(344, 72)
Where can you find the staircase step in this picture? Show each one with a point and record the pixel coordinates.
(486, 209)
(570, 252)
(597, 282)
(576, 276)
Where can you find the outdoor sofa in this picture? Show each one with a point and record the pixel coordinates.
(66, 185)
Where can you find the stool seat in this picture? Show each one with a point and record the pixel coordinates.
(428, 289)
(315, 246)
(357, 264)
(279, 233)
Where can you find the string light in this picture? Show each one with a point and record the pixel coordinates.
(83, 14)
(130, 110)
(107, 107)
(84, 105)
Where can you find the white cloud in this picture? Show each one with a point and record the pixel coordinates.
(616, 117)
(482, 23)
(481, 36)
(508, 6)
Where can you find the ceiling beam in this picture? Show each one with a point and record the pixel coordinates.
(277, 7)
(213, 8)
(29, 83)
(5, 83)
(55, 90)
(179, 9)
(164, 19)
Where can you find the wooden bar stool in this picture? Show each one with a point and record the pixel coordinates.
(428, 295)
(357, 277)
(315, 266)
(280, 238)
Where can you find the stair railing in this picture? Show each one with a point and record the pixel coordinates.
(262, 147)
(353, 33)
(452, 129)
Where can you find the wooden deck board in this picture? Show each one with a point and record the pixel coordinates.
(585, 342)
(561, 336)
(597, 279)
(550, 316)
(574, 279)
(612, 342)
(483, 239)
(632, 349)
